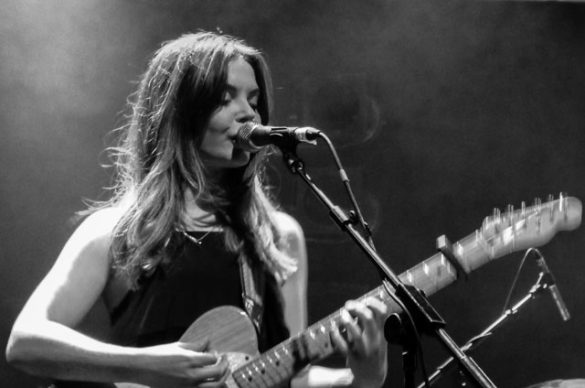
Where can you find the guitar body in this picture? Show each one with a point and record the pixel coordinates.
(229, 332)
(228, 329)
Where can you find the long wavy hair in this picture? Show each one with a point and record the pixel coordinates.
(157, 160)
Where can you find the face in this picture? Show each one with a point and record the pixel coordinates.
(239, 105)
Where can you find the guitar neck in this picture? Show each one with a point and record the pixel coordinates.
(284, 360)
(499, 235)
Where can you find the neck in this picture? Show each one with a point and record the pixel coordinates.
(194, 217)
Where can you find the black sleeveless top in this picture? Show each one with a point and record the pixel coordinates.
(201, 277)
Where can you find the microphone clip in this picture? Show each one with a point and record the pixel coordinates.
(549, 282)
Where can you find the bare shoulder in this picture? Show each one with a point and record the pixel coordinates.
(288, 226)
(95, 231)
(100, 224)
(88, 247)
(292, 239)
(78, 276)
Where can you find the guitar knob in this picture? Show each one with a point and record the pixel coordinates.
(537, 203)
(551, 206)
(562, 202)
(497, 217)
(496, 213)
(538, 208)
(510, 214)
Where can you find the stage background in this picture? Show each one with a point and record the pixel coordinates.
(440, 113)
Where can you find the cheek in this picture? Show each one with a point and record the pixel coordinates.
(216, 144)
(213, 136)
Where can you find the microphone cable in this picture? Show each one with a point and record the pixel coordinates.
(345, 179)
(515, 280)
(365, 227)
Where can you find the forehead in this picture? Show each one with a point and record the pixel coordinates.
(241, 74)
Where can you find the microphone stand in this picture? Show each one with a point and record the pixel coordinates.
(416, 303)
(540, 286)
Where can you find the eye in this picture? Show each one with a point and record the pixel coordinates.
(226, 98)
(253, 102)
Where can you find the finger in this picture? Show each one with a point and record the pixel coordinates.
(350, 324)
(214, 372)
(221, 382)
(197, 346)
(201, 356)
(371, 313)
(339, 343)
(212, 384)
(353, 333)
(199, 360)
(364, 317)
(378, 307)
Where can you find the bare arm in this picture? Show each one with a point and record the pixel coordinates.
(294, 290)
(44, 342)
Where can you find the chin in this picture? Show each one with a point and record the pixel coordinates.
(238, 158)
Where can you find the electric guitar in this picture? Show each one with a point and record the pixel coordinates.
(230, 332)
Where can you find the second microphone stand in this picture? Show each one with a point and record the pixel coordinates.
(541, 285)
(425, 316)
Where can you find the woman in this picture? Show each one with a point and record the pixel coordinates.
(190, 227)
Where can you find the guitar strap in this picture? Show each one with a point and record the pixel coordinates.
(252, 278)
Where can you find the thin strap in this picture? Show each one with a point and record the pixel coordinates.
(252, 290)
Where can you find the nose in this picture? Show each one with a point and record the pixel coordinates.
(246, 112)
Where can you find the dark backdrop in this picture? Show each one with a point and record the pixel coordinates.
(440, 112)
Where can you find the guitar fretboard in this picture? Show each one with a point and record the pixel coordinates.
(280, 363)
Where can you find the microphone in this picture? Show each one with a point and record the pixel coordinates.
(253, 137)
(552, 286)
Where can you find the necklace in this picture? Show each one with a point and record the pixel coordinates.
(197, 241)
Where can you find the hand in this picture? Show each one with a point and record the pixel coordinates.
(360, 337)
(182, 364)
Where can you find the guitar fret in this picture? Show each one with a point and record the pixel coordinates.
(276, 375)
(260, 377)
(267, 372)
(283, 361)
(250, 375)
(409, 277)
